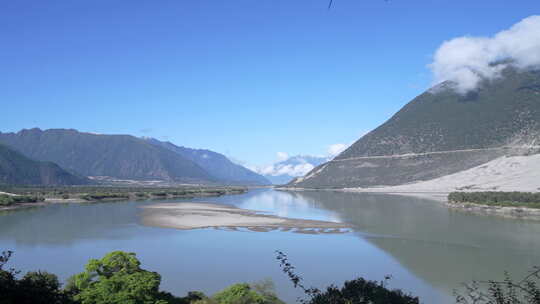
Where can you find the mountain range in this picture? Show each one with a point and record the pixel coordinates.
(18, 169)
(120, 157)
(217, 164)
(441, 132)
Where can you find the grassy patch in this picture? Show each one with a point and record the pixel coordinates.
(494, 198)
(98, 193)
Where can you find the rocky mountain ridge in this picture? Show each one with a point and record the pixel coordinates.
(441, 132)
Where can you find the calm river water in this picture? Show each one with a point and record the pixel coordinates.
(428, 249)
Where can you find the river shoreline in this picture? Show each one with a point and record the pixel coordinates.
(503, 211)
(442, 197)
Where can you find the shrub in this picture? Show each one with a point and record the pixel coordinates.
(159, 193)
(37, 287)
(508, 291)
(6, 200)
(238, 294)
(101, 196)
(359, 291)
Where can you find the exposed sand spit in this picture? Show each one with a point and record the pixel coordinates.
(204, 215)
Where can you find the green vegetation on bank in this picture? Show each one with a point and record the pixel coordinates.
(493, 198)
(98, 193)
(8, 200)
(153, 193)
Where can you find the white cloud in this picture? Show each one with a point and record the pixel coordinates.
(294, 170)
(285, 169)
(265, 170)
(467, 60)
(281, 156)
(335, 149)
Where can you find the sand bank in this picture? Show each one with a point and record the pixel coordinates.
(507, 173)
(204, 215)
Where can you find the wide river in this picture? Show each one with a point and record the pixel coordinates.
(428, 249)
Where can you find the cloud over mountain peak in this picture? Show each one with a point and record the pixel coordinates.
(467, 60)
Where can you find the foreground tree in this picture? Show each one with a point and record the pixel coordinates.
(117, 278)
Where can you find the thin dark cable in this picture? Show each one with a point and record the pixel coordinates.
(330, 4)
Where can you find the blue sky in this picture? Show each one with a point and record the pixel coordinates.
(244, 78)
